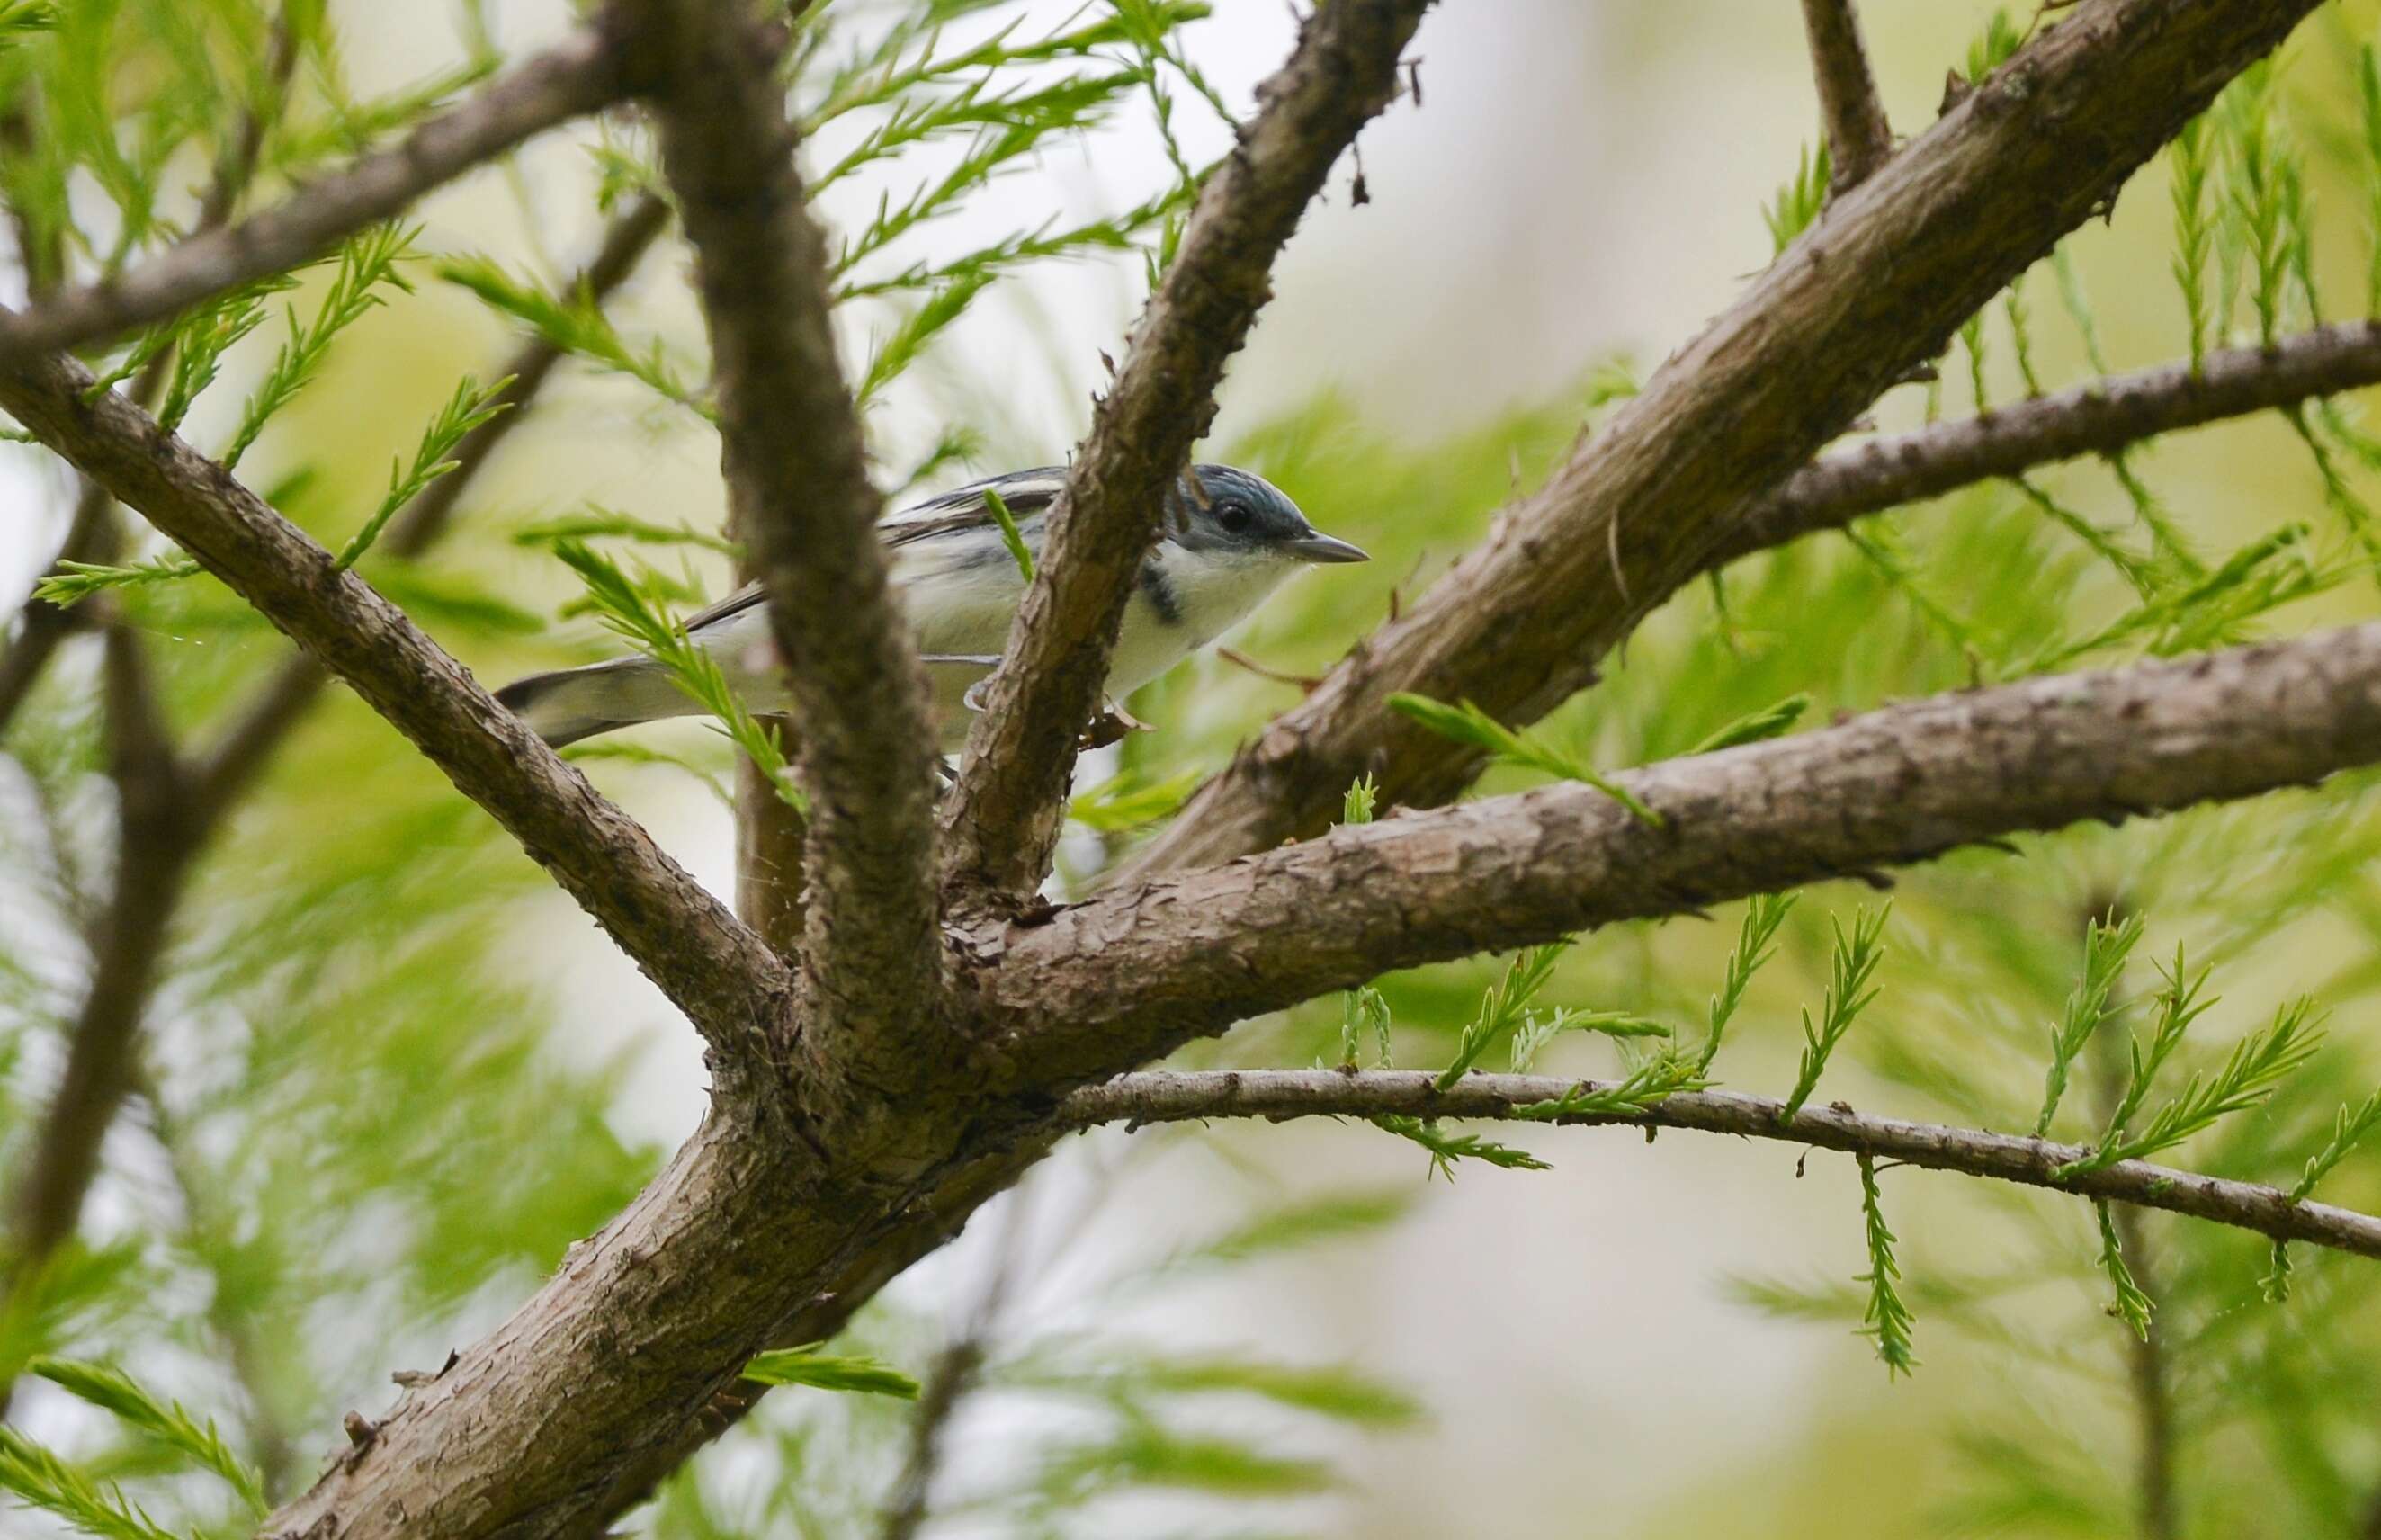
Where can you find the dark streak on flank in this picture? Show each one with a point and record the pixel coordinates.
(1158, 589)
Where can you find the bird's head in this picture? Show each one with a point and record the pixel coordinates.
(1220, 512)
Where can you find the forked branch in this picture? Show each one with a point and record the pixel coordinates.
(709, 966)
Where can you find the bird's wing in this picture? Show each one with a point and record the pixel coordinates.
(1026, 493)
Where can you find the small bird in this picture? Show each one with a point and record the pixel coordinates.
(1228, 538)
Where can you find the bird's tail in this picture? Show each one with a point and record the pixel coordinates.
(571, 704)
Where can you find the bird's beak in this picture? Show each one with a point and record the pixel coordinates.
(1322, 547)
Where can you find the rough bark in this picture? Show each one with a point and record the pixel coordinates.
(2101, 418)
(1892, 786)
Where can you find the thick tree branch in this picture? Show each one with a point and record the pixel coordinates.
(1873, 289)
(1896, 785)
(1858, 138)
(2099, 418)
(276, 707)
(799, 496)
(1169, 1096)
(709, 965)
(581, 76)
(1004, 818)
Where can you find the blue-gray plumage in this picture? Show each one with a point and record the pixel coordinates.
(1228, 538)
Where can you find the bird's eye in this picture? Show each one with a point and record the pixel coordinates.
(1234, 516)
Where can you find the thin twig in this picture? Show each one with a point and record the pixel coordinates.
(1003, 818)
(2101, 417)
(1858, 138)
(1166, 1096)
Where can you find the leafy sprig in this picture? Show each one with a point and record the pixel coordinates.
(1848, 993)
(1466, 724)
(631, 613)
(166, 1421)
(851, 1374)
(1887, 1320)
(366, 265)
(2258, 1064)
(1753, 949)
(2106, 943)
(472, 405)
(1446, 1148)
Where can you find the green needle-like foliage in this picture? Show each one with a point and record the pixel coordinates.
(366, 265)
(1503, 1008)
(1008, 533)
(1798, 203)
(166, 1421)
(1887, 1320)
(829, 1372)
(2258, 1063)
(2131, 1307)
(1469, 725)
(472, 405)
(1848, 993)
(1446, 1148)
(1753, 949)
(1771, 721)
(2105, 946)
(629, 609)
(40, 1480)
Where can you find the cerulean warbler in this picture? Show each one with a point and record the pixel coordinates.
(1228, 538)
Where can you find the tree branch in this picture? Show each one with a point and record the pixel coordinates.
(1520, 624)
(1900, 785)
(584, 74)
(1858, 138)
(2098, 418)
(709, 966)
(154, 845)
(1169, 1096)
(799, 496)
(92, 536)
(1004, 817)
